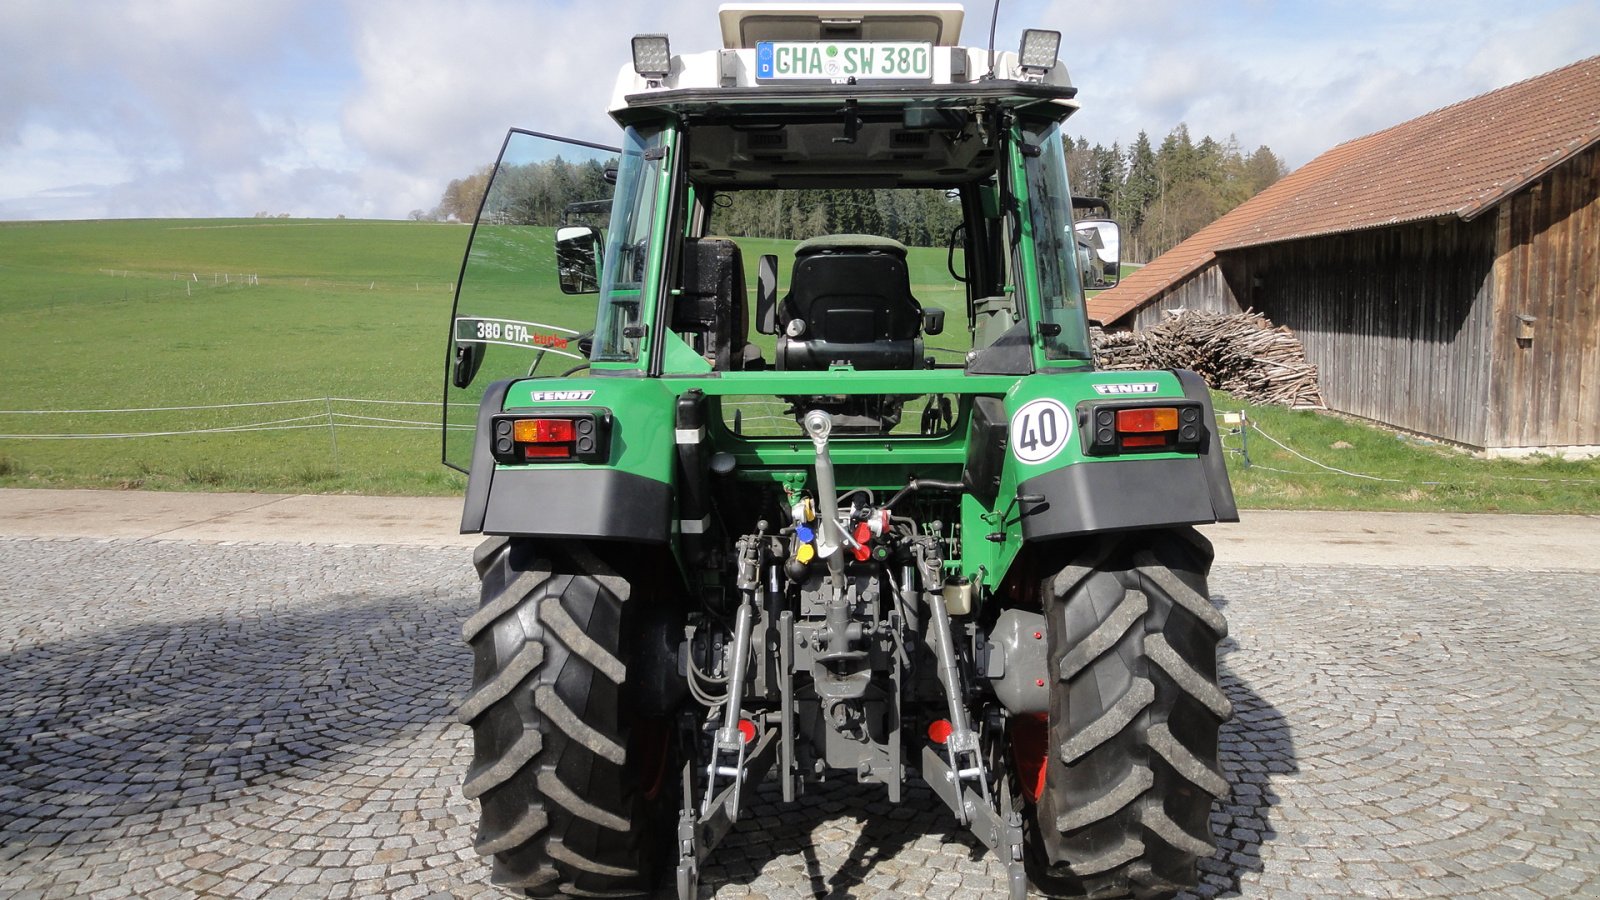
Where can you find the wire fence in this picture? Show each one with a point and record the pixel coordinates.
(335, 413)
(330, 413)
(134, 284)
(1240, 426)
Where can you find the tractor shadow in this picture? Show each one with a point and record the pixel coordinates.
(845, 840)
(125, 724)
(842, 840)
(1255, 746)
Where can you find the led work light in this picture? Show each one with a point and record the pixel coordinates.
(1038, 52)
(652, 56)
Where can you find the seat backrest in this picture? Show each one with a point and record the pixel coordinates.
(852, 296)
(712, 311)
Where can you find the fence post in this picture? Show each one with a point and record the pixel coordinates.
(333, 439)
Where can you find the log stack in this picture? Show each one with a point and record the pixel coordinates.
(1241, 353)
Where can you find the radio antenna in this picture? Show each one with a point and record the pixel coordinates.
(994, 21)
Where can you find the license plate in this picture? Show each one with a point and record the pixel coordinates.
(839, 60)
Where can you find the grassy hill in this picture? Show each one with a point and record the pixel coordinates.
(136, 314)
(129, 315)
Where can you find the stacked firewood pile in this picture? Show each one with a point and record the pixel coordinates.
(1242, 354)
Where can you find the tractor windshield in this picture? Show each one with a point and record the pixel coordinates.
(1049, 199)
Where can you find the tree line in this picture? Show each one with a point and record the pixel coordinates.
(918, 218)
(1160, 196)
(527, 194)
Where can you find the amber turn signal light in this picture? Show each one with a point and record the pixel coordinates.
(1156, 418)
(572, 435)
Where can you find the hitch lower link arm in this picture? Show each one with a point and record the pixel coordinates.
(1000, 829)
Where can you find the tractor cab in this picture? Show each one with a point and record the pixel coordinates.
(839, 188)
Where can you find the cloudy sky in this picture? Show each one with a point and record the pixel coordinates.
(367, 108)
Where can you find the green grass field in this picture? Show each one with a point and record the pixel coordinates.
(136, 314)
(1388, 470)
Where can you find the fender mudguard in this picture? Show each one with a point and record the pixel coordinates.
(559, 501)
(1127, 494)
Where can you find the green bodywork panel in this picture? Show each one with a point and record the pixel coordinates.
(642, 437)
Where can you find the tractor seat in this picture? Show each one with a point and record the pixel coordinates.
(850, 302)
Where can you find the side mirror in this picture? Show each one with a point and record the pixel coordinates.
(932, 320)
(767, 294)
(1099, 253)
(577, 252)
(468, 358)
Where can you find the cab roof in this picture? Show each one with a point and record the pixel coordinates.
(746, 24)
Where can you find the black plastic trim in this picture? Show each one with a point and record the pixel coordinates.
(481, 475)
(1010, 354)
(1214, 458)
(1119, 495)
(829, 93)
(605, 504)
(671, 253)
(986, 449)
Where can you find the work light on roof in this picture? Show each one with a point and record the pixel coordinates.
(1038, 53)
(652, 56)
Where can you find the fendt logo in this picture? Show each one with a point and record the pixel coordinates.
(1141, 387)
(559, 396)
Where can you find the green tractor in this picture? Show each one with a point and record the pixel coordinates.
(878, 518)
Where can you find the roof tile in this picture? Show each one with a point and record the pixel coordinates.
(1461, 161)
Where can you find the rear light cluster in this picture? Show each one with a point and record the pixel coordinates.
(1114, 428)
(567, 436)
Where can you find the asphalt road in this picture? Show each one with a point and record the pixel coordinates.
(247, 696)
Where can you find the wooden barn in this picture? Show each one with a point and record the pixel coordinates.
(1444, 274)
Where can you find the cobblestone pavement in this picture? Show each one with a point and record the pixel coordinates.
(184, 719)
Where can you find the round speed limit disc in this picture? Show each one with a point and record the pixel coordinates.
(1039, 430)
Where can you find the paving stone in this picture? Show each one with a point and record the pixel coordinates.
(261, 720)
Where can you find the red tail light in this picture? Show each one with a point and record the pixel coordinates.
(1159, 418)
(1132, 427)
(543, 431)
(580, 435)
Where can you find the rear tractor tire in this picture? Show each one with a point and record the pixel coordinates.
(574, 788)
(1130, 754)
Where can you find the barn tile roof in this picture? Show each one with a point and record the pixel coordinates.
(1462, 161)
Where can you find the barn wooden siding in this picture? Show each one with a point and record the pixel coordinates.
(1547, 246)
(1397, 320)
(1420, 325)
(1205, 290)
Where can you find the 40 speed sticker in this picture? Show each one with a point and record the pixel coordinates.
(1039, 430)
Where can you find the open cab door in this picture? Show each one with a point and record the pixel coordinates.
(524, 303)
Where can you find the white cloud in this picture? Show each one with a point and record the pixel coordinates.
(441, 84)
(153, 105)
(365, 107)
(1302, 78)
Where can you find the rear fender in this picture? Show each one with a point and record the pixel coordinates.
(1051, 487)
(627, 497)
